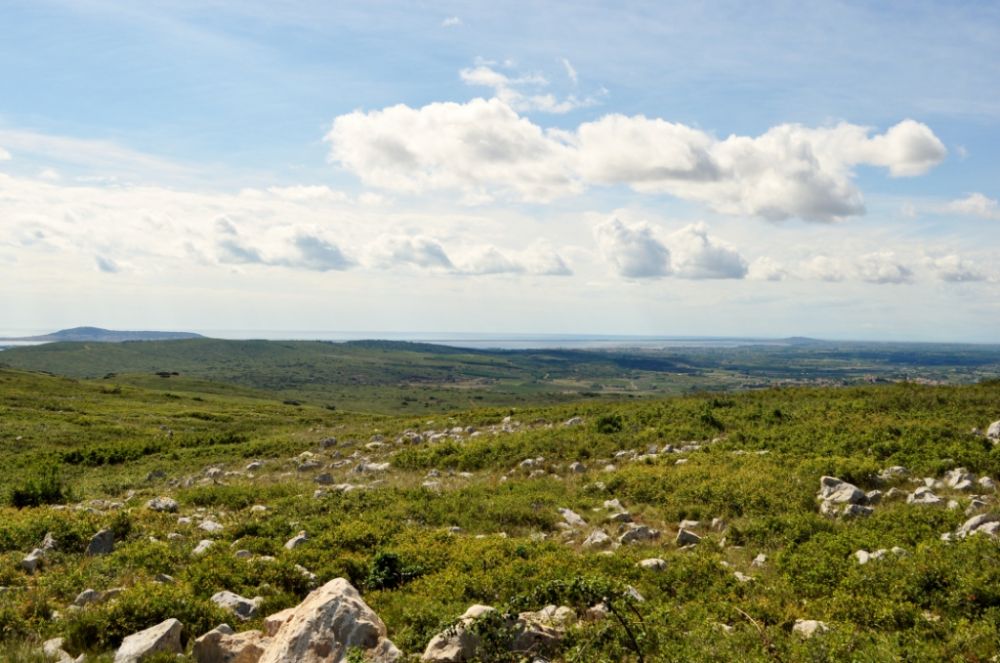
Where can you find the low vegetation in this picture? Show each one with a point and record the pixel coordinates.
(468, 512)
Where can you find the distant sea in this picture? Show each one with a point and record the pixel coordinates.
(484, 341)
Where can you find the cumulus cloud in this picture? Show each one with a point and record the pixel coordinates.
(483, 148)
(451, 22)
(4, 155)
(489, 260)
(479, 148)
(392, 250)
(976, 204)
(632, 250)
(883, 267)
(316, 253)
(511, 90)
(954, 269)
(766, 269)
(695, 255)
(542, 260)
(823, 268)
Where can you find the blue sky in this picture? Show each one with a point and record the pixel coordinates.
(649, 168)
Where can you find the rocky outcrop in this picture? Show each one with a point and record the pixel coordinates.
(162, 638)
(327, 625)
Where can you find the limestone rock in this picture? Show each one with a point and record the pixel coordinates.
(807, 628)
(597, 539)
(222, 645)
(686, 537)
(167, 504)
(924, 495)
(653, 564)
(102, 543)
(993, 432)
(571, 518)
(639, 534)
(326, 625)
(296, 541)
(240, 606)
(202, 547)
(274, 622)
(162, 638)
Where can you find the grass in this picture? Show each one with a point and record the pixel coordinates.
(757, 467)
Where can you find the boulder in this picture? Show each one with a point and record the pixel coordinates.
(807, 628)
(274, 622)
(924, 495)
(529, 633)
(86, 597)
(639, 534)
(33, 560)
(323, 628)
(686, 537)
(571, 518)
(222, 645)
(240, 606)
(653, 564)
(102, 543)
(167, 504)
(162, 638)
(202, 547)
(976, 523)
(993, 432)
(296, 541)
(597, 539)
(210, 526)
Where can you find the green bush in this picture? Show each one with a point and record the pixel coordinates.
(43, 487)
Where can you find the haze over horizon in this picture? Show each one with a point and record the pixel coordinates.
(725, 170)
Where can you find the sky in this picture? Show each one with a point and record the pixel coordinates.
(763, 169)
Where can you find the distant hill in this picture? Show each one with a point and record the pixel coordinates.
(98, 335)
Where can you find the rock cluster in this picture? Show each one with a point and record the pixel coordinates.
(838, 497)
(529, 633)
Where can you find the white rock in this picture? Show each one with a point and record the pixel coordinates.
(167, 504)
(924, 495)
(162, 638)
(686, 537)
(222, 645)
(296, 540)
(240, 606)
(210, 526)
(330, 622)
(807, 628)
(863, 556)
(572, 519)
(202, 547)
(653, 564)
(597, 539)
(639, 534)
(993, 432)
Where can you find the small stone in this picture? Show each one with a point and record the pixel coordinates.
(86, 597)
(597, 539)
(571, 518)
(102, 543)
(863, 556)
(807, 628)
(653, 564)
(639, 534)
(686, 537)
(202, 547)
(210, 526)
(241, 607)
(296, 541)
(166, 504)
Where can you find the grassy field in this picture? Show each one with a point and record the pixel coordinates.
(488, 530)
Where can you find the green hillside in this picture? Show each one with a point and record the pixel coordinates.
(488, 529)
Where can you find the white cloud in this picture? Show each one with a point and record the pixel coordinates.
(510, 90)
(570, 71)
(4, 155)
(695, 255)
(306, 193)
(451, 22)
(478, 148)
(632, 250)
(976, 204)
(954, 269)
(542, 260)
(390, 251)
(49, 175)
(883, 267)
(823, 268)
(489, 260)
(484, 148)
(766, 269)
(316, 253)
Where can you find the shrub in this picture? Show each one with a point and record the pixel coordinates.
(45, 487)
